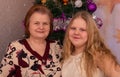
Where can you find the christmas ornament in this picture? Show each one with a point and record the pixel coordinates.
(88, 1)
(98, 21)
(65, 2)
(91, 7)
(43, 1)
(78, 3)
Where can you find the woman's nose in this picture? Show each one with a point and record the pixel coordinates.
(41, 26)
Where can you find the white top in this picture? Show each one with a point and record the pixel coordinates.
(72, 68)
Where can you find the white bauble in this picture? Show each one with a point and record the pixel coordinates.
(78, 3)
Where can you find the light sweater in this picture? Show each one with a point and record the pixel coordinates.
(72, 67)
(21, 61)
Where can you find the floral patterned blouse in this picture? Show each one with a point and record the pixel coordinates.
(21, 61)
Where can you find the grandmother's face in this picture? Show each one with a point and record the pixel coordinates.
(39, 26)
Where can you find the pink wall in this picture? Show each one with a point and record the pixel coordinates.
(12, 13)
(109, 11)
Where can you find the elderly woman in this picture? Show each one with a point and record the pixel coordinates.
(34, 56)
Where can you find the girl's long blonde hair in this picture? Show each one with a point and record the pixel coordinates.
(94, 43)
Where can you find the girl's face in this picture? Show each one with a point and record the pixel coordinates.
(39, 26)
(78, 33)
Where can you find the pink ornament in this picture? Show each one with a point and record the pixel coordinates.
(99, 22)
(89, 1)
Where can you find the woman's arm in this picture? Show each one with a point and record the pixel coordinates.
(110, 67)
(117, 36)
(116, 71)
(107, 64)
(8, 64)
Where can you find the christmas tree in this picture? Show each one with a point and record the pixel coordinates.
(63, 11)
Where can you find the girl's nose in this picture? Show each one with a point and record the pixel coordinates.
(76, 32)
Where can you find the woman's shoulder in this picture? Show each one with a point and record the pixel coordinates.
(55, 46)
(17, 43)
(55, 43)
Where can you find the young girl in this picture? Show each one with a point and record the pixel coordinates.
(85, 54)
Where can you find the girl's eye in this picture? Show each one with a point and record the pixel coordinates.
(72, 28)
(81, 29)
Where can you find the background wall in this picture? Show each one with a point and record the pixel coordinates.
(109, 11)
(12, 14)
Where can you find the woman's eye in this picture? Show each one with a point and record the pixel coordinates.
(36, 23)
(45, 23)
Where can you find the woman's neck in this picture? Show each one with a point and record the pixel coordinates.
(37, 45)
(36, 41)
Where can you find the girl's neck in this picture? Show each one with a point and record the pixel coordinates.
(77, 51)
